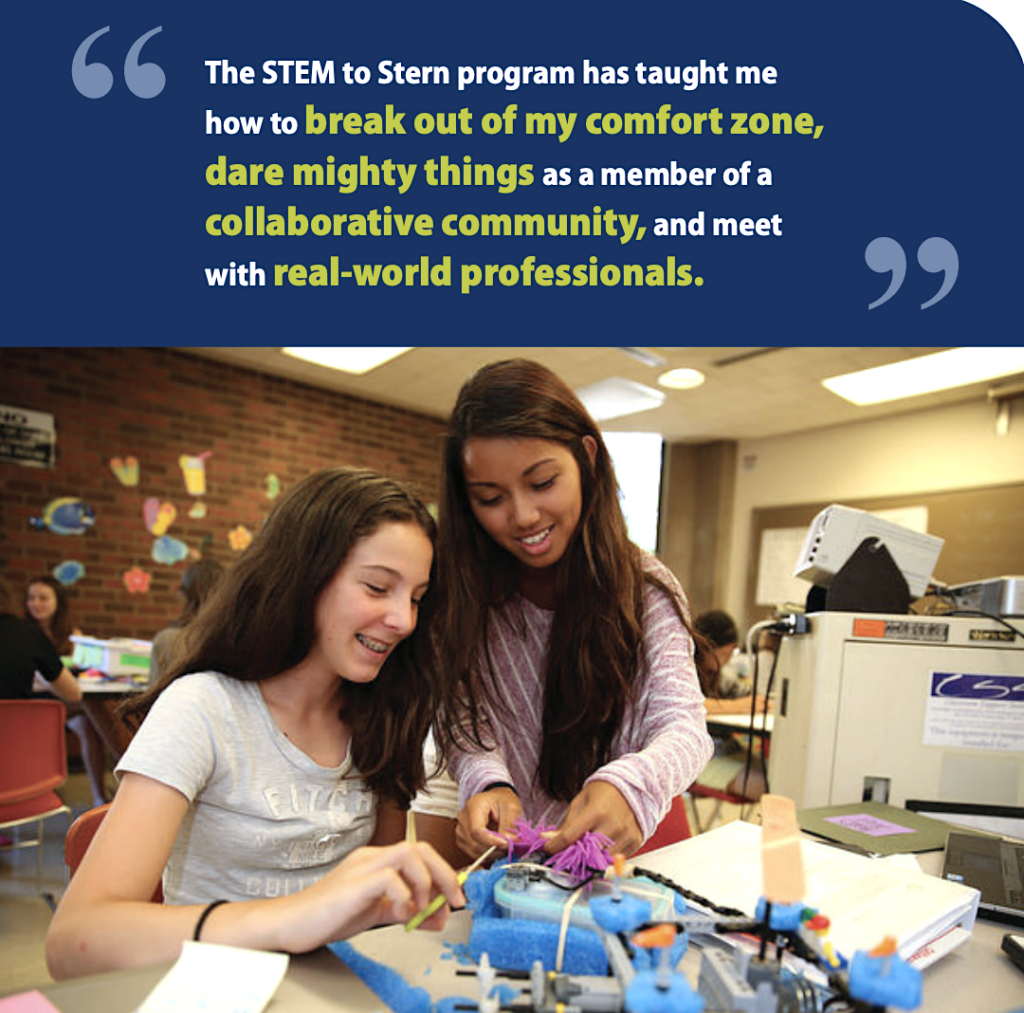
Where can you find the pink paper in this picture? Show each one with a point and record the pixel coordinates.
(870, 825)
(27, 1002)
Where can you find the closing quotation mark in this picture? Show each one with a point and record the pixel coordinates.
(94, 80)
(934, 255)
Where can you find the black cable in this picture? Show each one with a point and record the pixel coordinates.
(730, 912)
(942, 594)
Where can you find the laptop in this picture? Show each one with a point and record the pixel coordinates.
(984, 849)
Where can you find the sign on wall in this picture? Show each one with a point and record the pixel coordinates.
(27, 437)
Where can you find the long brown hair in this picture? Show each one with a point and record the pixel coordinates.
(260, 620)
(61, 626)
(594, 663)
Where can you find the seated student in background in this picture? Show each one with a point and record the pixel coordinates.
(582, 708)
(26, 650)
(727, 770)
(47, 605)
(197, 583)
(288, 735)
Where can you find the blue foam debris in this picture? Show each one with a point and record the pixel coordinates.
(644, 995)
(885, 981)
(515, 943)
(460, 952)
(506, 993)
(387, 984)
(785, 917)
(621, 914)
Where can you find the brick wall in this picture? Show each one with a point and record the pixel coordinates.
(156, 405)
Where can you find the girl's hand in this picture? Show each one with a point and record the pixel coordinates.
(599, 807)
(374, 886)
(484, 817)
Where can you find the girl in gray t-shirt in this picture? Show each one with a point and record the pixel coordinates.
(287, 736)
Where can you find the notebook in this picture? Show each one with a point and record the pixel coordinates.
(874, 828)
(992, 865)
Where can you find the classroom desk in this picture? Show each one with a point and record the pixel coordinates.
(100, 700)
(976, 977)
(763, 723)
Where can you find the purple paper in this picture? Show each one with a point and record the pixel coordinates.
(870, 825)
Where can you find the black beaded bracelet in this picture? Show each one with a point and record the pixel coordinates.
(501, 784)
(206, 914)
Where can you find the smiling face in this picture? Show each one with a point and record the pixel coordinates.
(370, 605)
(41, 602)
(526, 495)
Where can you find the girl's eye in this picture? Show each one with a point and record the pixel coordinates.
(546, 484)
(493, 501)
(376, 590)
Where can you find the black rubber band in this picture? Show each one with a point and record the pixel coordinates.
(206, 914)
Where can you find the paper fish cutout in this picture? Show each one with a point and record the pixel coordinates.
(193, 468)
(239, 537)
(169, 550)
(126, 469)
(136, 580)
(68, 572)
(197, 510)
(67, 515)
(273, 487)
(158, 516)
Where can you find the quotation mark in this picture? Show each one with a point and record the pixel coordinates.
(94, 80)
(934, 255)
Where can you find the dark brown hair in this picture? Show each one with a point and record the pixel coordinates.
(60, 625)
(260, 620)
(593, 665)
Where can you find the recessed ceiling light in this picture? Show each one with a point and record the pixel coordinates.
(350, 360)
(611, 398)
(681, 379)
(926, 374)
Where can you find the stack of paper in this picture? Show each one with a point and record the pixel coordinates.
(866, 899)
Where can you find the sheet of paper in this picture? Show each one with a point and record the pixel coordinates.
(27, 1002)
(209, 978)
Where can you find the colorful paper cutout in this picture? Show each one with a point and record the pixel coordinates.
(273, 486)
(136, 580)
(68, 572)
(158, 516)
(126, 469)
(197, 510)
(67, 515)
(239, 537)
(169, 550)
(193, 468)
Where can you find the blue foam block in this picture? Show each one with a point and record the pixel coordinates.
(785, 917)
(644, 996)
(514, 944)
(885, 981)
(388, 985)
(623, 914)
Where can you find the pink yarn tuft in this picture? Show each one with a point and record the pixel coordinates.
(526, 839)
(590, 854)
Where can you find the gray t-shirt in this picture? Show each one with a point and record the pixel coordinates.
(265, 819)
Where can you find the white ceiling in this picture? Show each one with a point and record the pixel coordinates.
(749, 392)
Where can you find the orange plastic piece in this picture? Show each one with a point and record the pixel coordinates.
(656, 937)
(886, 948)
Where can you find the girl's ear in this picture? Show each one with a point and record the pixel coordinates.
(590, 446)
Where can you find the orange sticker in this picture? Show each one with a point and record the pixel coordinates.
(869, 627)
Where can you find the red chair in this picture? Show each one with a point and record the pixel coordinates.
(80, 836)
(33, 762)
(673, 828)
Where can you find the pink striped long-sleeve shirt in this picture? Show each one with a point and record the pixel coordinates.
(660, 749)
